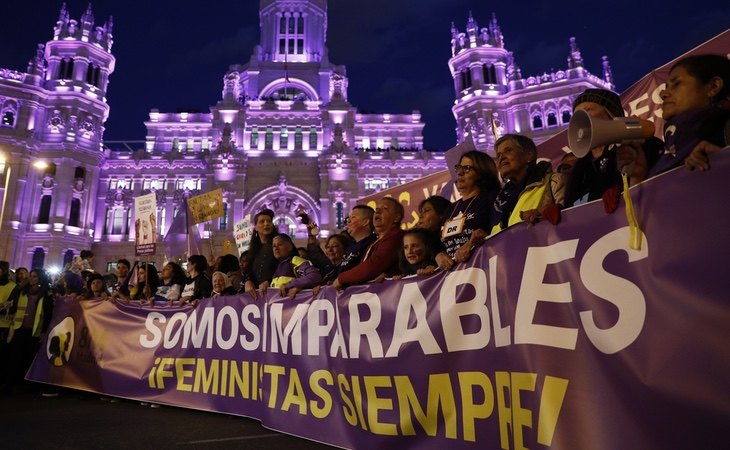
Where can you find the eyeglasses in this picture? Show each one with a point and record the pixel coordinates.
(460, 168)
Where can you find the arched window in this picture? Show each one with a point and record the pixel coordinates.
(224, 217)
(552, 119)
(298, 138)
(90, 74)
(118, 221)
(69, 74)
(45, 212)
(340, 214)
(536, 122)
(73, 217)
(490, 74)
(8, 118)
(254, 138)
(313, 139)
(68, 256)
(80, 172)
(466, 78)
(62, 69)
(284, 138)
(269, 138)
(394, 142)
(566, 117)
(39, 258)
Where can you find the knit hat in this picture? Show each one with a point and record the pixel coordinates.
(607, 99)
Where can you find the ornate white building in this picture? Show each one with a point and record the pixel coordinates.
(283, 136)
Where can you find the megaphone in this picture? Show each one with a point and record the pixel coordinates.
(586, 132)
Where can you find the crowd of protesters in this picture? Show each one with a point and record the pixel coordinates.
(495, 193)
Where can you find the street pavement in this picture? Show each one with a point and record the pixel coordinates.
(79, 420)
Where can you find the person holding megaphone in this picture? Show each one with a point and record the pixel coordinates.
(598, 135)
(695, 108)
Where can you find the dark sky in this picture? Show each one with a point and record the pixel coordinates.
(171, 54)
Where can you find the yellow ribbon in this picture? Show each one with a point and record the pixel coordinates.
(635, 233)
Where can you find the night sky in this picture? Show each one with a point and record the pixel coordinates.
(171, 55)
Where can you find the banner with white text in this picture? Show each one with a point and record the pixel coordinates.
(550, 337)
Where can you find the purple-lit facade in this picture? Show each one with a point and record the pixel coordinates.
(283, 135)
(492, 95)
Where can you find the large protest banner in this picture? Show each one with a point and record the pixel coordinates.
(551, 337)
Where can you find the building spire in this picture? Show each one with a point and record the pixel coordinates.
(575, 59)
(87, 19)
(496, 32)
(607, 72)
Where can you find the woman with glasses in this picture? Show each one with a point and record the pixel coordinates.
(466, 220)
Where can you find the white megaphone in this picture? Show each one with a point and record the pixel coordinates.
(586, 132)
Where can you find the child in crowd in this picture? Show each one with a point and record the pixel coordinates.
(419, 252)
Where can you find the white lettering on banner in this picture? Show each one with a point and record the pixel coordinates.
(452, 312)
(533, 290)
(317, 329)
(149, 324)
(412, 299)
(501, 334)
(230, 313)
(170, 339)
(467, 310)
(368, 328)
(197, 333)
(293, 328)
(657, 99)
(637, 110)
(248, 312)
(625, 295)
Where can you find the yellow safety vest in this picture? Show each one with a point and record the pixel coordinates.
(20, 314)
(295, 262)
(5, 292)
(529, 199)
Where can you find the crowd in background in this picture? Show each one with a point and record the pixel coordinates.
(495, 193)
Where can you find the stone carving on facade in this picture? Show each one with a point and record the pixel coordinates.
(87, 129)
(56, 123)
(79, 185)
(181, 195)
(119, 197)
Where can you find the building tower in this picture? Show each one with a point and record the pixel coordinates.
(493, 98)
(55, 116)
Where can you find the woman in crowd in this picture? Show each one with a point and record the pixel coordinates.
(70, 285)
(696, 114)
(244, 263)
(293, 273)
(95, 287)
(172, 281)
(31, 317)
(331, 257)
(198, 285)
(222, 284)
(231, 267)
(261, 253)
(466, 220)
(147, 283)
(418, 257)
(431, 213)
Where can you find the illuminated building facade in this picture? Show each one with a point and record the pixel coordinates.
(282, 136)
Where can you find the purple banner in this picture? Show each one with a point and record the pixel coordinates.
(552, 336)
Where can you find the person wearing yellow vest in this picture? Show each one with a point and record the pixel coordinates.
(293, 273)
(530, 187)
(31, 317)
(8, 298)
